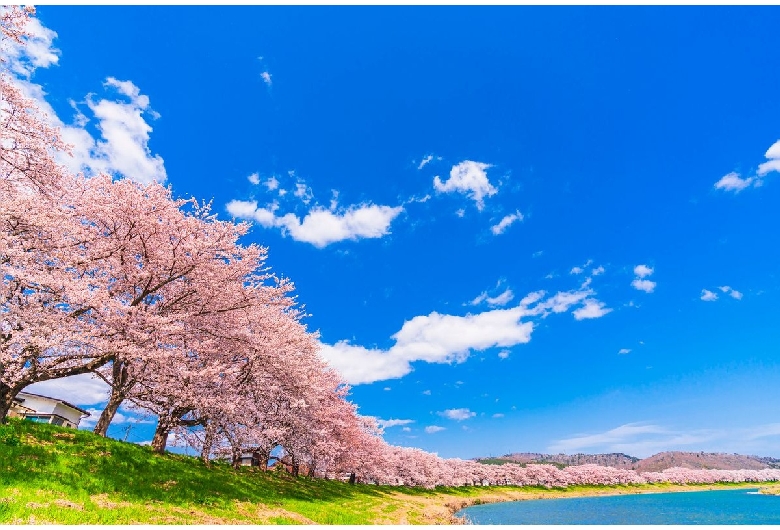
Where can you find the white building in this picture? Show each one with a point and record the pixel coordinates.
(45, 409)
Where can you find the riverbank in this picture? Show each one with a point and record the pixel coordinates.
(440, 507)
(53, 475)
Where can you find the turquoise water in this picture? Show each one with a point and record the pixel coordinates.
(701, 507)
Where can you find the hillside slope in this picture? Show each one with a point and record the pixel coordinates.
(55, 475)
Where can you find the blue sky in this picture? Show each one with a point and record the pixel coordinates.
(515, 228)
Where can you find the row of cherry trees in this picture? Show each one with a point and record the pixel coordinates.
(158, 298)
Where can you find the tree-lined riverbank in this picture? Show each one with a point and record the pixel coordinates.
(62, 476)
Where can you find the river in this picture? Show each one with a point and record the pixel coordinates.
(744, 506)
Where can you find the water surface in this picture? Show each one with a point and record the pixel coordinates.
(742, 506)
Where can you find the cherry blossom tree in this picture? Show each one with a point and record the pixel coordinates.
(47, 279)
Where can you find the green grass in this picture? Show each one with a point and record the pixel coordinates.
(51, 474)
(56, 475)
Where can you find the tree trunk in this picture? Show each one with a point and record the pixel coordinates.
(352, 478)
(114, 401)
(7, 395)
(236, 457)
(208, 443)
(160, 439)
(294, 468)
(119, 390)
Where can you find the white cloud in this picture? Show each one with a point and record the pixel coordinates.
(496, 301)
(321, 227)
(125, 137)
(731, 292)
(736, 183)
(597, 271)
(426, 392)
(591, 309)
(123, 146)
(733, 182)
(448, 338)
(623, 351)
(271, 183)
(576, 270)
(406, 429)
(266, 77)
(647, 286)
(457, 414)
(254, 178)
(708, 296)
(498, 415)
(425, 161)
(359, 365)
(303, 192)
(506, 222)
(434, 429)
(385, 424)
(643, 270)
(503, 354)
(438, 338)
(469, 178)
(434, 338)
(773, 164)
(81, 389)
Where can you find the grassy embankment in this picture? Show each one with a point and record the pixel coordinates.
(55, 475)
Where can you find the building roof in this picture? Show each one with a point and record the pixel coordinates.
(56, 399)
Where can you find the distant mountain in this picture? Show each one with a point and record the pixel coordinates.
(703, 460)
(657, 462)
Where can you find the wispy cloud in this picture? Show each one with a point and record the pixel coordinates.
(731, 292)
(457, 414)
(506, 222)
(624, 351)
(637, 439)
(427, 159)
(591, 309)
(385, 424)
(495, 301)
(733, 182)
